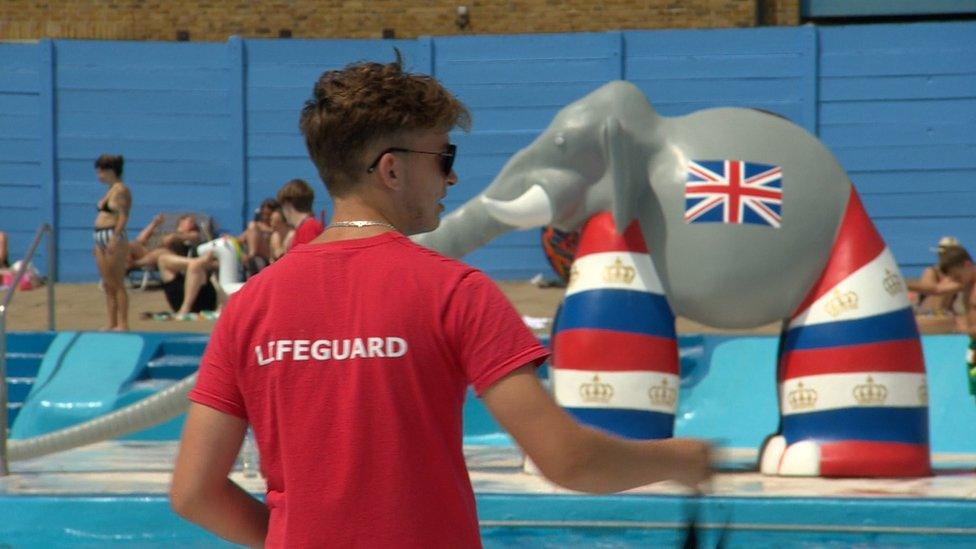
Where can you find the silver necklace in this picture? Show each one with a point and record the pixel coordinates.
(359, 224)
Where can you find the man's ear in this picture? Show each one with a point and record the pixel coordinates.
(389, 169)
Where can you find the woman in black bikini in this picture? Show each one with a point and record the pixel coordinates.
(111, 245)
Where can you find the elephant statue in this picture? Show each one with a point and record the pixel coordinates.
(734, 218)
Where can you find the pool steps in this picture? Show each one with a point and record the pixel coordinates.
(176, 356)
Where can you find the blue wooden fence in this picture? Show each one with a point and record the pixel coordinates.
(161, 105)
(213, 127)
(26, 148)
(897, 106)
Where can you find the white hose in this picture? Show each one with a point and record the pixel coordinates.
(158, 408)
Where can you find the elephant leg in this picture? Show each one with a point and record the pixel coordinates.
(615, 356)
(851, 376)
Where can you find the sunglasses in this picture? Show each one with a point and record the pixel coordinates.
(447, 158)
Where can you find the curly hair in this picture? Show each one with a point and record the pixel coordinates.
(354, 107)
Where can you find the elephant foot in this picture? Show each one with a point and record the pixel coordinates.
(801, 459)
(848, 458)
(770, 454)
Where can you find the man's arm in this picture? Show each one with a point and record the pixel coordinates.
(192, 237)
(585, 459)
(929, 284)
(201, 491)
(150, 229)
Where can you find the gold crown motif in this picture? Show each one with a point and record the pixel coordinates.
(802, 398)
(619, 273)
(573, 276)
(923, 394)
(840, 303)
(870, 393)
(596, 391)
(892, 282)
(663, 395)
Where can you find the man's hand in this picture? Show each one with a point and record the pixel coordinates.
(586, 459)
(693, 461)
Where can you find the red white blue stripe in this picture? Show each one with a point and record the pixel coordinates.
(851, 373)
(615, 357)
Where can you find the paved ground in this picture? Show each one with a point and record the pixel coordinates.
(740, 509)
(121, 467)
(82, 307)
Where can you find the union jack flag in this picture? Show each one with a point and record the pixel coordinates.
(733, 191)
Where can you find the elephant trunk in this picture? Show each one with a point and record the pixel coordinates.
(464, 230)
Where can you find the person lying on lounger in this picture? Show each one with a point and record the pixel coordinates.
(187, 234)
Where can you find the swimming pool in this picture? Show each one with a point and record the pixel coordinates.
(113, 493)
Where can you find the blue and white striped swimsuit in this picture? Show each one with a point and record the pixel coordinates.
(102, 237)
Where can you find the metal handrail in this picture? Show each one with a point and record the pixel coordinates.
(4, 307)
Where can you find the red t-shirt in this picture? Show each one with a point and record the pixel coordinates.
(306, 231)
(351, 360)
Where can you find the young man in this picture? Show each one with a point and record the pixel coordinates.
(350, 357)
(958, 265)
(296, 199)
(937, 292)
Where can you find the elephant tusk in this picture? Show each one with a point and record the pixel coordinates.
(532, 209)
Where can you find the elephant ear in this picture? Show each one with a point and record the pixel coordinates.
(626, 187)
